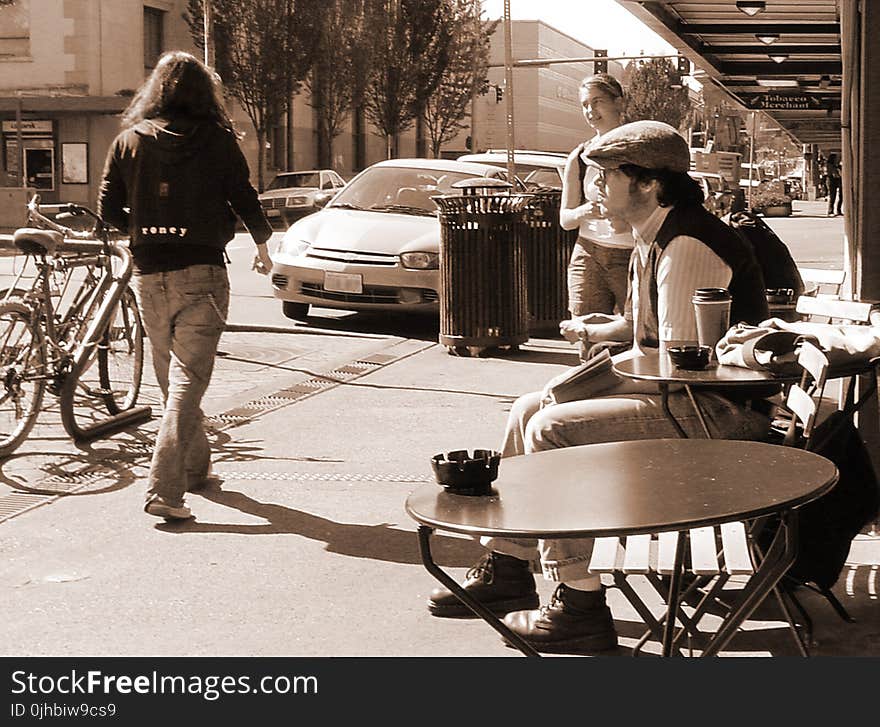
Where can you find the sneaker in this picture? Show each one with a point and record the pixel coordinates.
(158, 507)
(574, 622)
(502, 583)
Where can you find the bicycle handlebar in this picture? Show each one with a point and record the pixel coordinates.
(36, 210)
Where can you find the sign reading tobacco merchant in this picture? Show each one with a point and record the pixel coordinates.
(785, 102)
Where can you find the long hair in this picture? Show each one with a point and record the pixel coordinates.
(180, 86)
(675, 188)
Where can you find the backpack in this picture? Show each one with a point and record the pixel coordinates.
(777, 264)
(827, 526)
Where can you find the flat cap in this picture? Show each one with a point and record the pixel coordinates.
(648, 144)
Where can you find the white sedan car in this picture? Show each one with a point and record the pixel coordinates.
(376, 244)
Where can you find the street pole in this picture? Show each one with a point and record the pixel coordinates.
(508, 82)
(206, 24)
(751, 158)
(19, 140)
(477, 27)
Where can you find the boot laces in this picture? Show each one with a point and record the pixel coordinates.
(556, 602)
(483, 570)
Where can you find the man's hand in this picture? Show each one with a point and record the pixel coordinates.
(574, 330)
(579, 329)
(262, 262)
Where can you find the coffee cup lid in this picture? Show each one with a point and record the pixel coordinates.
(711, 294)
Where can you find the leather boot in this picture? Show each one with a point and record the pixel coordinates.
(574, 622)
(500, 582)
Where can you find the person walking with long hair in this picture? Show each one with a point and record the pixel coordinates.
(174, 180)
(597, 272)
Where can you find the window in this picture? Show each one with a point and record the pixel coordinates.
(15, 29)
(154, 21)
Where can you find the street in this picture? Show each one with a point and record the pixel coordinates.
(319, 434)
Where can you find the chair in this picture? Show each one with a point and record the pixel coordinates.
(715, 554)
(822, 282)
(845, 312)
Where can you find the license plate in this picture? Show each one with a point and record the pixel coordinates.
(273, 213)
(343, 283)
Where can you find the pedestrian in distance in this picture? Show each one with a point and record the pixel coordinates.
(174, 179)
(832, 180)
(680, 246)
(597, 272)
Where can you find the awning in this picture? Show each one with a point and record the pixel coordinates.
(781, 57)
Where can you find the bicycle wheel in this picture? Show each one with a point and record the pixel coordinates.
(23, 372)
(121, 356)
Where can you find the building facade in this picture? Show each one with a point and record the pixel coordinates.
(68, 68)
(546, 106)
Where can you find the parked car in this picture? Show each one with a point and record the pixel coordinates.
(717, 193)
(292, 195)
(537, 169)
(376, 244)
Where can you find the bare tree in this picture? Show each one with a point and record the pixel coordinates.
(411, 55)
(650, 94)
(464, 76)
(341, 66)
(263, 50)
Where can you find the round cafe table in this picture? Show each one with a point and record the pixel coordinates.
(614, 489)
(657, 367)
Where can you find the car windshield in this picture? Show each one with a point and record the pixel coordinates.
(300, 179)
(544, 178)
(399, 189)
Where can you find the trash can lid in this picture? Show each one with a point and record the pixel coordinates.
(473, 184)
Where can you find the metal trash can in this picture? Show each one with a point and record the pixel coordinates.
(547, 248)
(482, 268)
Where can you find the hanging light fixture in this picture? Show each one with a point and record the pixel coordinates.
(778, 57)
(751, 7)
(767, 38)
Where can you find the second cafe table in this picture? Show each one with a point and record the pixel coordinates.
(656, 366)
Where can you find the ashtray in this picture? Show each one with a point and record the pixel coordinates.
(779, 296)
(690, 357)
(465, 474)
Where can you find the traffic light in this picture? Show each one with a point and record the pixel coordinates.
(684, 66)
(499, 94)
(600, 66)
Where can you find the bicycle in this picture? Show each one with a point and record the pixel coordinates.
(77, 312)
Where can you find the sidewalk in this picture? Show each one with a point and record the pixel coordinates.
(306, 549)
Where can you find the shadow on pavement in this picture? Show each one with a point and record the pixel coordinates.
(382, 542)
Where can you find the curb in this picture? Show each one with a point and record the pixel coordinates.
(255, 328)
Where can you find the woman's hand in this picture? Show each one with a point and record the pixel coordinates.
(262, 262)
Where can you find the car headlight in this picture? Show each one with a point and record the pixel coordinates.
(296, 201)
(293, 246)
(420, 260)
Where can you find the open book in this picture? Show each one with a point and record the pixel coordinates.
(592, 378)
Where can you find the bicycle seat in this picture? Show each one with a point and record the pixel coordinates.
(34, 241)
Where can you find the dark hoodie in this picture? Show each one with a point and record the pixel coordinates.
(183, 182)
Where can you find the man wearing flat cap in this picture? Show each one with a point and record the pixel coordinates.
(679, 247)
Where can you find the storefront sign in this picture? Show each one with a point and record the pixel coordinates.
(785, 102)
(29, 127)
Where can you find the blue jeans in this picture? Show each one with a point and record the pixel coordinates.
(184, 314)
(621, 416)
(597, 278)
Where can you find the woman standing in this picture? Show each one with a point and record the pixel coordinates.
(597, 273)
(172, 179)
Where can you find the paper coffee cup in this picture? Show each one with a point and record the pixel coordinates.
(712, 312)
